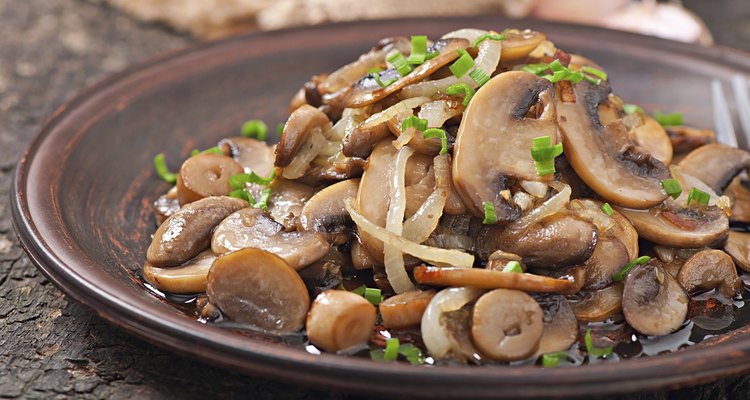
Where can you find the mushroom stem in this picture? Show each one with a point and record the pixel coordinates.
(489, 279)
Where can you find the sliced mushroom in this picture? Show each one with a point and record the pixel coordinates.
(186, 233)
(598, 305)
(205, 175)
(253, 227)
(725, 163)
(361, 258)
(287, 199)
(489, 279)
(253, 155)
(325, 211)
(651, 136)
(507, 325)
(610, 255)
(560, 324)
(518, 44)
(405, 310)
(652, 301)
(438, 340)
(499, 259)
(187, 278)
(253, 286)
(604, 156)
(166, 205)
(368, 91)
(339, 320)
(494, 140)
(302, 140)
(738, 246)
(710, 269)
(738, 192)
(686, 139)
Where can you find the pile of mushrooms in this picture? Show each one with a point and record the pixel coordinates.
(408, 203)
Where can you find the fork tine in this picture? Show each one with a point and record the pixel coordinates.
(741, 95)
(722, 117)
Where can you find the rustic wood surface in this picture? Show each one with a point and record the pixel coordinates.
(51, 347)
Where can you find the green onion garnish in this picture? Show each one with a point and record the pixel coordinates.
(360, 290)
(244, 195)
(544, 155)
(461, 66)
(255, 128)
(461, 88)
(563, 73)
(593, 71)
(607, 209)
(280, 127)
(412, 353)
(415, 122)
(265, 195)
(670, 119)
(556, 66)
(160, 165)
(479, 76)
(623, 272)
(432, 55)
(437, 133)
(391, 349)
(595, 351)
(535, 69)
(238, 181)
(399, 63)
(631, 108)
(595, 81)
(490, 36)
(418, 50)
(380, 83)
(551, 360)
(489, 214)
(373, 296)
(513, 266)
(698, 196)
(672, 187)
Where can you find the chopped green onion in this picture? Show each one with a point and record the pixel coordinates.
(415, 122)
(461, 88)
(557, 76)
(432, 55)
(595, 81)
(280, 127)
(672, 187)
(575, 77)
(360, 290)
(593, 71)
(698, 196)
(160, 165)
(551, 360)
(255, 128)
(418, 50)
(489, 214)
(563, 73)
(373, 296)
(535, 69)
(631, 108)
(265, 195)
(437, 133)
(399, 63)
(544, 154)
(670, 119)
(513, 266)
(623, 272)
(460, 67)
(391, 349)
(556, 66)
(238, 181)
(380, 83)
(490, 36)
(412, 353)
(479, 76)
(244, 195)
(595, 351)
(212, 150)
(607, 209)
(374, 70)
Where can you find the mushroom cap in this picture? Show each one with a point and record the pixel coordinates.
(189, 277)
(494, 140)
(738, 247)
(725, 163)
(325, 211)
(507, 325)
(298, 129)
(339, 320)
(405, 309)
(709, 269)
(256, 287)
(652, 301)
(252, 154)
(204, 175)
(188, 231)
(560, 323)
(598, 305)
(651, 136)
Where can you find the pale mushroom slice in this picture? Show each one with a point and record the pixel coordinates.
(651, 136)
(598, 305)
(710, 269)
(715, 164)
(204, 175)
(325, 211)
(494, 140)
(507, 325)
(738, 246)
(254, 228)
(560, 324)
(253, 155)
(652, 301)
(188, 231)
(368, 91)
(189, 277)
(604, 156)
(340, 320)
(255, 287)
(286, 201)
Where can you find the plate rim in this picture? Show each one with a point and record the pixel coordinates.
(319, 370)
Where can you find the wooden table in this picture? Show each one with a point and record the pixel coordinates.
(51, 347)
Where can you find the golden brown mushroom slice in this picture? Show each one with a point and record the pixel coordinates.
(598, 305)
(325, 211)
(560, 324)
(686, 139)
(405, 310)
(507, 325)
(339, 320)
(715, 164)
(652, 301)
(189, 277)
(368, 91)
(489, 279)
(651, 136)
(604, 156)
(494, 140)
(255, 287)
(301, 141)
(188, 231)
(738, 192)
(738, 246)
(519, 43)
(204, 175)
(253, 155)
(710, 269)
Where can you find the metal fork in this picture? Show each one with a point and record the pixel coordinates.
(722, 116)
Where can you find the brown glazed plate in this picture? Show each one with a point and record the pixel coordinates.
(83, 193)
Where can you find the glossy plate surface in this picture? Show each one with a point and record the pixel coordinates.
(84, 188)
